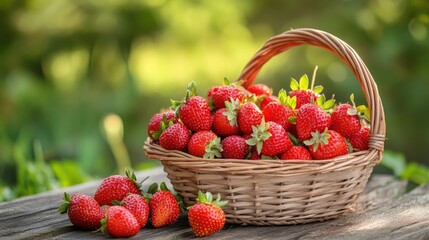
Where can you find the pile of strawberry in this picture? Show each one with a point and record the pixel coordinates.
(119, 208)
(237, 123)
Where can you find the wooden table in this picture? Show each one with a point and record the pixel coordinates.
(383, 212)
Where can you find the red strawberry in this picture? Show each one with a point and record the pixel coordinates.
(345, 121)
(164, 208)
(205, 144)
(296, 152)
(267, 100)
(359, 141)
(154, 128)
(225, 120)
(254, 155)
(120, 223)
(248, 115)
(175, 137)
(206, 216)
(217, 95)
(270, 139)
(260, 89)
(234, 147)
(326, 145)
(83, 211)
(311, 118)
(138, 206)
(302, 93)
(280, 112)
(194, 111)
(116, 187)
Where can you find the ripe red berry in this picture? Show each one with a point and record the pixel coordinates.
(222, 126)
(154, 129)
(234, 147)
(296, 153)
(138, 206)
(359, 141)
(164, 208)
(205, 144)
(175, 137)
(345, 120)
(311, 118)
(195, 114)
(217, 95)
(206, 216)
(116, 187)
(120, 223)
(248, 115)
(278, 113)
(326, 145)
(83, 211)
(260, 89)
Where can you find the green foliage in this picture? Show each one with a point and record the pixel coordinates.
(397, 163)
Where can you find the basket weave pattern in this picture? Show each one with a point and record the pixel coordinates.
(275, 192)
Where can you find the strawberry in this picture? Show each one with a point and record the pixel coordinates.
(302, 93)
(225, 119)
(260, 89)
(296, 152)
(266, 100)
(193, 111)
(205, 144)
(116, 187)
(217, 95)
(164, 208)
(175, 137)
(234, 147)
(270, 139)
(248, 115)
(158, 123)
(138, 206)
(346, 118)
(254, 155)
(359, 141)
(280, 112)
(311, 118)
(206, 216)
(120, 223)
(326, 145)
(83, 211)
(344, 121)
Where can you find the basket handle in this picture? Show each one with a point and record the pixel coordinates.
(296, 37)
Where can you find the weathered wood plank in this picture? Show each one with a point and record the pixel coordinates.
(385, 216)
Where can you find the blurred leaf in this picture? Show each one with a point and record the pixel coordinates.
(416, 173)
(68, 173)
(394, 161)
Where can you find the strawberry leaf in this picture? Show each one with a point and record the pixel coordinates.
(282, 96)
(318, 89)
(328, 104)
(291, 102)
(153, 188)
(226, 81)
(303, 82)
(294, 85)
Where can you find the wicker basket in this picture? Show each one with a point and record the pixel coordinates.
(275, 192)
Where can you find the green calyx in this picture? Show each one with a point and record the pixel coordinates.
(259, 135)
(164, 124)
(232, 110)
(132, 176)
(303, 83)
(207, 198)
(190, 92)
(64, 207)
(361, 111)
(317, 139)
(213, 149)
(286, 100)
(326, 105)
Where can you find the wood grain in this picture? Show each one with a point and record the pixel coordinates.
(382, 212)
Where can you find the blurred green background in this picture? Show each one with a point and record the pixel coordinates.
(80, 79)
